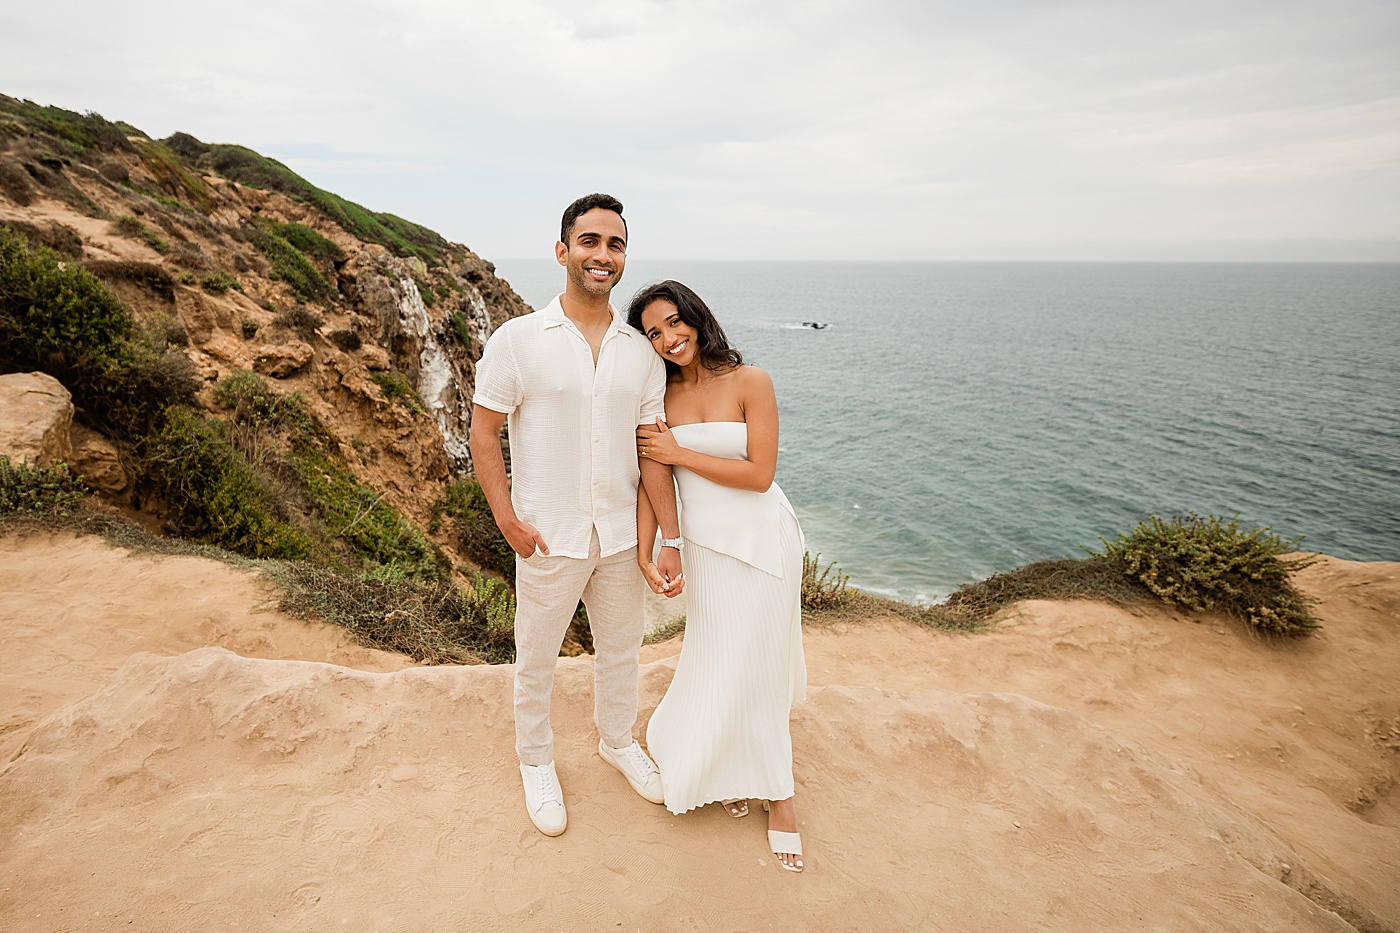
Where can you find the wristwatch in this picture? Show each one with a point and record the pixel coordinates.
(677, 542)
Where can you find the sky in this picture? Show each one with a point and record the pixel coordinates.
(822, 130)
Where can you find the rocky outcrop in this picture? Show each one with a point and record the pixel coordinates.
(36, 415)
(283, 360)
(98, 462)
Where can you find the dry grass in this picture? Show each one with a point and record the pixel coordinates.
(441, 624)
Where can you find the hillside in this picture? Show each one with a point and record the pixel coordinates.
(270, 288)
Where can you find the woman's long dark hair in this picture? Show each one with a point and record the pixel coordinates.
(711, 343)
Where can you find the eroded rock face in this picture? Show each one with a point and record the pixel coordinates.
(436, 347)
(96, 460)
(36, 416)
(283, 359)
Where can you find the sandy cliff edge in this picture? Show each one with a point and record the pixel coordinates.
(1080, 767)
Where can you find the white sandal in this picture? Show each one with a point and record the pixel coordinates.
(736, 807)
(784, 844)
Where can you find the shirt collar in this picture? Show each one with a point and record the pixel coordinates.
(554, 316)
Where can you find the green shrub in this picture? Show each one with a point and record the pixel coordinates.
(972, 605)
(170, 171)
(133, 229)
(312, 244)
(288, 264)
(276, 433)
(54, 311)
(459, 324)
(214, 495)
(442, 623)
(425, 292)
(300, 320)
(826, 589)
(251, 401)
(352, 513)
(218, 282)
(81, 131)
(395, 387)
(473, 528)
(60, 319)
(249, 328)
(1204, 563)
(38, 490)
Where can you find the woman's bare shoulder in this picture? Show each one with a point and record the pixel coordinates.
(753, 376)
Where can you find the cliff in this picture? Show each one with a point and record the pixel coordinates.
(243, 266)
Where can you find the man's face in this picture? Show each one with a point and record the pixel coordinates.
(596, 252)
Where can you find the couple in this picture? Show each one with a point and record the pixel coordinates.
(598, 406)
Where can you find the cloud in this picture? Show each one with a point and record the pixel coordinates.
(821, 129)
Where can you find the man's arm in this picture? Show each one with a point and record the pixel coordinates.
(661, 491)
(490, 466)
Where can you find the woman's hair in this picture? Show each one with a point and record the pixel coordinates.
(711, 344)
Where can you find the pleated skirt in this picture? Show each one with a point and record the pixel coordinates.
(721, 731)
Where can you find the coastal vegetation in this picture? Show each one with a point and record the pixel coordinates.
(251, 168)
(59, 318)
(289, 264)
(38, 492)
(395, 388)
(1207, 563)
(474, 531)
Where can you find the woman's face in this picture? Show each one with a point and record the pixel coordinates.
(670, 337)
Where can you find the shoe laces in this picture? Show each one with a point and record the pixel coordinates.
(549, 787)
(639, 759)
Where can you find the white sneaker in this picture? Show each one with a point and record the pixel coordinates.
(641, 772)
(544, 798)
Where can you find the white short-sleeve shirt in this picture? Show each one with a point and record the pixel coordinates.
(573, 449)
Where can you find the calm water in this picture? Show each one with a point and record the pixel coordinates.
(959, 419)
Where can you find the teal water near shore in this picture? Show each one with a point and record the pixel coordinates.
(954, 420)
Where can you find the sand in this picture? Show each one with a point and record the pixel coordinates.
(174, 757)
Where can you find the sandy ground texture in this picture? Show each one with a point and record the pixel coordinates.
(175, 759)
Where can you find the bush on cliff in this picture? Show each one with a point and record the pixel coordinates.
(474, 529)
(1204, 563)
(353, 525)
(58, 318)
(214, 495)
(442, 623)
(288, 264)
(38, 491)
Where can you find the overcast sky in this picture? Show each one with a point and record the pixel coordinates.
(824, 129)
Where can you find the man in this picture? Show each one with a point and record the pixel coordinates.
(575, 382)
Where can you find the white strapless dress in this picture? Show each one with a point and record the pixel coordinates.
(721, 731)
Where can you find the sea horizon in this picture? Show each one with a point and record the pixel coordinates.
(960, 418)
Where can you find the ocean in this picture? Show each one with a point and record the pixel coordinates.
(954, 420)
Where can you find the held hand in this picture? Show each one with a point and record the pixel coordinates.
(668, 565)
(524, 539)
(657, 443)
(653, 577)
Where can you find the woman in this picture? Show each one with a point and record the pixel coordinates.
(721, 732)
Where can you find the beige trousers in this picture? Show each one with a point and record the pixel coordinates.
(547, 593)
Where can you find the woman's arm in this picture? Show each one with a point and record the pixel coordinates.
(760, 408)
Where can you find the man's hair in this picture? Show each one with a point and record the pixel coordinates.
(712, 345)
(582, 206)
